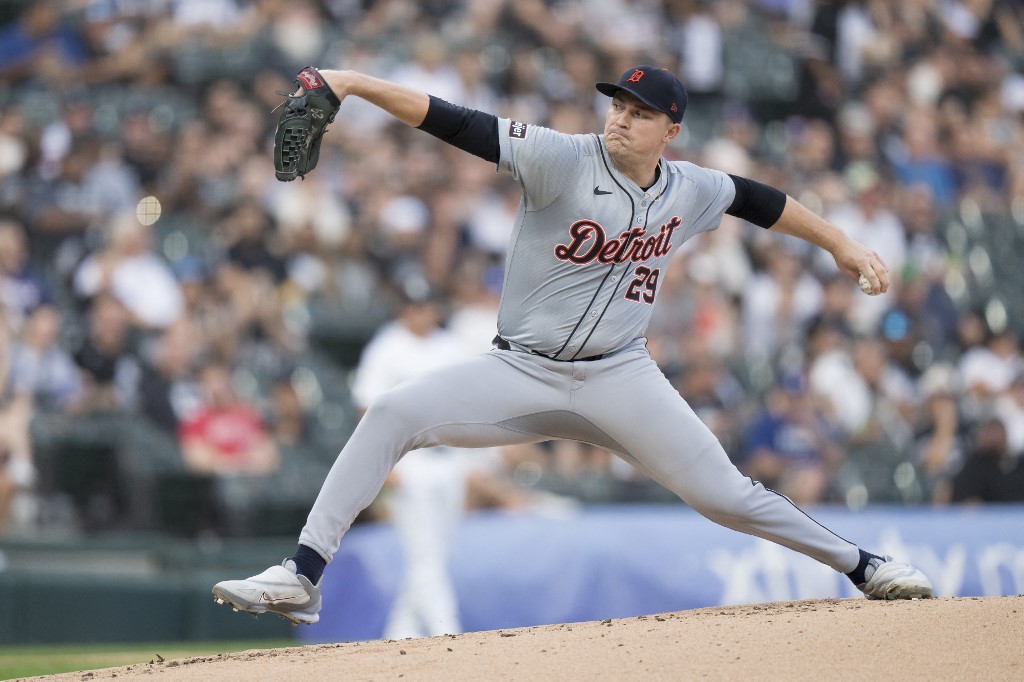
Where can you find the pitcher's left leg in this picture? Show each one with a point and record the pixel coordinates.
(632, 401)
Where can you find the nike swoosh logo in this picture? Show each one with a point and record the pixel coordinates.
(598, 191)
(270, 600)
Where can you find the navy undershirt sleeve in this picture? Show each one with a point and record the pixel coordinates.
(756, 202)
(468, 129)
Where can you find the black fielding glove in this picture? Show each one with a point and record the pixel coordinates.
(302, 125)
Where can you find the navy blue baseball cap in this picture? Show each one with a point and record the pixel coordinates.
(655, 87)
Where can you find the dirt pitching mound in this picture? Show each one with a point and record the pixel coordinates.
(969, 638)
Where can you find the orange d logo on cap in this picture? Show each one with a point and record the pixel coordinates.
(637, 75)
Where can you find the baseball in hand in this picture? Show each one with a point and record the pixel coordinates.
(865, 285)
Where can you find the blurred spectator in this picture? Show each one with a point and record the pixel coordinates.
(23, 287)
(790, 446)
(146, 146)
(40, 45)
(14, 155)
(314, 222)
(133, 273)
(43, 369)
(59, 210)
(874, 448)
(473, 318)
(430, 68)
(251, 243)
(76, 121)
(779, 302)
(894, 402)
(919, 215)
(476, 90)
(729, 257)
(490, 223)
(813, 149)
(712, 323)
(938, 431)
(990, 472)
(92, 184)
(698, 37)
(922, 295)
(857, 142)
(1009, 407)
(209, 312)
(988, 370)
(252, 329)
(110, 369)
(832, 375)
(248, 293)
(867, 218)
(169, 391)
(921, 324)
(920, 160)
(290, 425)
(225, 435)
(17, 467)
(838, 294)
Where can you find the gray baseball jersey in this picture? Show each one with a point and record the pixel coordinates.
(582, 275)
(589, 245)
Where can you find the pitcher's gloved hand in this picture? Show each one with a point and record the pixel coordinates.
(302, 125)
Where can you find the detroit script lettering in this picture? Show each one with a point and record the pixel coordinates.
(588, 243)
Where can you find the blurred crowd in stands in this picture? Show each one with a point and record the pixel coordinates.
(179, 330)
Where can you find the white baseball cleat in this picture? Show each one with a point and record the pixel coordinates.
(891, 579)
(279, 589)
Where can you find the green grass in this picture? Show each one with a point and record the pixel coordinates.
(47, 659)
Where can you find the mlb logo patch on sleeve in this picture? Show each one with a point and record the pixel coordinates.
(517, 130)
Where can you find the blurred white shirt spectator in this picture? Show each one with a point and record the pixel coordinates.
(778, 303)
(833, 376)
(490, 223)
(868, 220)
(855, 31)
(431, 70)
(217, 14)
(1010, 409)
(134, 274)
(40, 367)
(989, 370)
(700, 53)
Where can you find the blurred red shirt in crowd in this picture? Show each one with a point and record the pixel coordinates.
(226, 435)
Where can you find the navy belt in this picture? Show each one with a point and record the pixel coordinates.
(502, 344)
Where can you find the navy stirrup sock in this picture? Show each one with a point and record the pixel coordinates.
(309, 563)
(857, 574)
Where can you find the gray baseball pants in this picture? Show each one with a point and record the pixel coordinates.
(622, 402)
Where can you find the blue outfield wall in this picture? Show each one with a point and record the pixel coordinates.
(521, 569)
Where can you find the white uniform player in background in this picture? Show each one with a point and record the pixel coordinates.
(427, 489)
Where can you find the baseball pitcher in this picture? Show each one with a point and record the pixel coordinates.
(600, 218)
